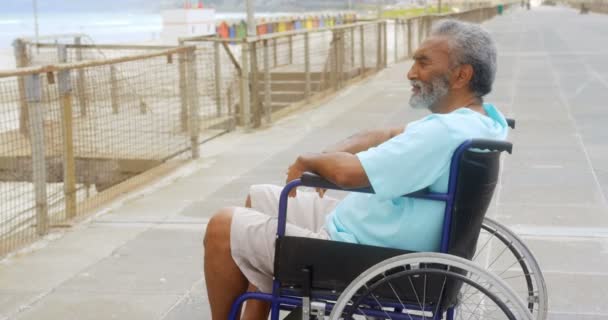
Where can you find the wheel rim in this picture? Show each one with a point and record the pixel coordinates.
(416, 259)
(520, 270)
(424, 272)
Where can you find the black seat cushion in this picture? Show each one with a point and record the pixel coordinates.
(336, 264)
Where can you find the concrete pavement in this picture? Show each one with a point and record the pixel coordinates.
(141, 258)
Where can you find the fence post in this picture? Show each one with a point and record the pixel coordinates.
(64, 84)
(274, 52)
(290, 49)
(36, 128)
(256, 112)
(307, 66)
(113, 89)
(22, 61)
(362, 48)
(378, 46)
(193, 103)
(352, 48)
(409, 37)
(267, 97)
(340, 58)
(218, 77)
(385, 44)
(419, 27)
(183, 95)
(396, 40)
(333, 76)
(81, 81)
(245, 103)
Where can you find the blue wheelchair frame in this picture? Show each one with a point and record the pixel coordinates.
(279, 302)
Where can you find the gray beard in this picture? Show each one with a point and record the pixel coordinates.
(430, 93)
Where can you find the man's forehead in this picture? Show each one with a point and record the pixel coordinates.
(433, 47)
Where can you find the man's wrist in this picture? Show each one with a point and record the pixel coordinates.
(304, 162)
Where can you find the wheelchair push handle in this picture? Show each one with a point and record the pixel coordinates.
(511, 123)
(492, 145)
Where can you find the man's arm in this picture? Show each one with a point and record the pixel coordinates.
(341, 168)
(364, 140)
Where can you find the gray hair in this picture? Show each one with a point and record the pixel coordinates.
(470, 44)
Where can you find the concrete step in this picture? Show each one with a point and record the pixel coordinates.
(301, 76)
(291, 76)
(288, 85)
(284, 96)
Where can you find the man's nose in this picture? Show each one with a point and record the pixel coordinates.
(411, 74)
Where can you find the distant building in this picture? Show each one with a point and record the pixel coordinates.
(187, 22)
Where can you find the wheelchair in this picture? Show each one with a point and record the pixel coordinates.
(483, 270)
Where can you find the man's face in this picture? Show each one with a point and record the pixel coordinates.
(429, 75)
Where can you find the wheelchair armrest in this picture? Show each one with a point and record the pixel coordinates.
(310, 179)
(314, 180)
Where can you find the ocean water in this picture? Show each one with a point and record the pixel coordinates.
(101, 27)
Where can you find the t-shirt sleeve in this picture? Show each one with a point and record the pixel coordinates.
(410, 161)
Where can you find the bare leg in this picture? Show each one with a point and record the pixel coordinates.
(225, 281)
(255, 309)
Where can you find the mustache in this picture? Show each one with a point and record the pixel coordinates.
(417, 83)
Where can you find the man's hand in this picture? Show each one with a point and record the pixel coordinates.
(295, 171)
(340, 168)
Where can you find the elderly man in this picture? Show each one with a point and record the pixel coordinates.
(453, 70)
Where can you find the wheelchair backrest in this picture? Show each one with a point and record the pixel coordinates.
(476, 181)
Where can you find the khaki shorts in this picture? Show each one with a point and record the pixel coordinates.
(253, 231)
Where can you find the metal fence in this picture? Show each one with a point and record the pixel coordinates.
(82, 123)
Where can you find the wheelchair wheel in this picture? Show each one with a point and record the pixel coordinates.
(427, 286)
(501, 252)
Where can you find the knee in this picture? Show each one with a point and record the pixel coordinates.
(218, 230)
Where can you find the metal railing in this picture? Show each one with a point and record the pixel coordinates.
(81, 123)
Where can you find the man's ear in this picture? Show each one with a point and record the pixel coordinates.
(462, 76)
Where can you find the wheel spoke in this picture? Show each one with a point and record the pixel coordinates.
(494, 231)
(445, 279)
(497, 257)
(396, 295)
(509, 267)
(415, 293)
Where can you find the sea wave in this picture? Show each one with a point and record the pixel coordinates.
(7, 22)
(111, 23)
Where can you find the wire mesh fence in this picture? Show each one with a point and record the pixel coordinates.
(84, 122)
(68, 146)
(276, 71)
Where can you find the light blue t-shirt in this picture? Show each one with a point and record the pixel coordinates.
(416, 159)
